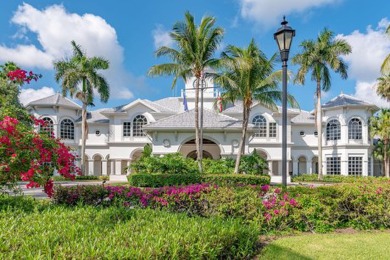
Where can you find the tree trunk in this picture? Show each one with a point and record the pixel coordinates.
(319, 129)
(242, 141)
(386, 160)
(199, 153)
(84, 134)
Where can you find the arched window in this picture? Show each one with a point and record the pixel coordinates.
(261, 126)
(67, 129)
(48, 127)
(138, 122)
(355, 129)
(333, 130)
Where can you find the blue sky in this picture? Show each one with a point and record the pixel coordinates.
(36, 32)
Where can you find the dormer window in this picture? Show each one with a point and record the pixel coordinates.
(138, 122)
(260, 125)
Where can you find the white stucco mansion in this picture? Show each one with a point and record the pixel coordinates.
(117, 135)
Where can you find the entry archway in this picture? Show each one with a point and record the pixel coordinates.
(210, 149)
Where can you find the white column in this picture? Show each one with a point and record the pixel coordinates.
(128, 167)
(118, 167)
(270, 172)
(308, 167)
(112, 170)
(90, 168)
(104, 167)
(295, 167)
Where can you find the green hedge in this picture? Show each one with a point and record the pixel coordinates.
(160, 180)
(337, 179)
(56, 232)
(236, 179)
(83, 178)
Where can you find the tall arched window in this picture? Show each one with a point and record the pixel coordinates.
(355, 129)
(67, 129)
(333, 130)
(261, 126)
(48, 127)
(138, 122)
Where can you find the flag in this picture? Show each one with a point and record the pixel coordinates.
(185, 102)
(219, 103)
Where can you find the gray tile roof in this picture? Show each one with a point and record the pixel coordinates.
(96, 117)
(56, 99)
(304, 117)
(186, 120)
(345, 100)
(170, 104)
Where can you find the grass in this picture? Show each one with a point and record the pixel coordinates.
(33, 230)
(357, 245)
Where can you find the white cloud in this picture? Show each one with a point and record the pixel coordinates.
(28, 95)
(369, 49)
(367, 91)
(269, 12)
(54, 28)
(161, 37)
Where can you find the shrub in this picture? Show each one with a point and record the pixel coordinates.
(222, 166)
(83, 178)
(253, 163)
(173, 163)
(338, 179)
(236, 179)
(160, 180)
(120, 233)
(81, 194)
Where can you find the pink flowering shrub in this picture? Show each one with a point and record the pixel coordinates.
(21, 76)
(30, 156)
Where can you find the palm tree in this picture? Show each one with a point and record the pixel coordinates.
(383, 88)
(319, 57)
(385, 68)
(248, 75)
(380, 127)
(196, 46)
(79, 77)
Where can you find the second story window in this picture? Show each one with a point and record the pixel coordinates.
(126, 129)
(260, 124)
(272, 129)
(67, 129)
(48, 127)
(355, 129)
(333, 130)
(138, 122)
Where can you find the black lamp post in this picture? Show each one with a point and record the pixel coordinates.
(283, 37)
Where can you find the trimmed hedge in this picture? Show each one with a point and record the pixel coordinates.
(83, 178)
(337, 179)
(236, 179)
(160, 180)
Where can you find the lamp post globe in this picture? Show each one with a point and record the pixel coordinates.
(283, 37)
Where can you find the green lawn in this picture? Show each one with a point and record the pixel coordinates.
(363, 245)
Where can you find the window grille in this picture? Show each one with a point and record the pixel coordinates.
(355, 165)
(333, 165)
(333, 130)
(48, 127)
(272, 130)
(138, 122)
(67, 129)
(261, 126)
(355, 129)
(126, 129)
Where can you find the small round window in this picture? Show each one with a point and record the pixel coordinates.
(315, 133)
(302, 133)
(97, 132)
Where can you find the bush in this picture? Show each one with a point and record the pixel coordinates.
(236, 179)
(160, 180)
(83, 178)
(81, 194)
(338, 179)
(173, 163)
(222, 166)
(253, 163)
(119, 233)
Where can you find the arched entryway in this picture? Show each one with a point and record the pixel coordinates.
(314, 165)
(97, 165)
(210, 149)
(302, 165)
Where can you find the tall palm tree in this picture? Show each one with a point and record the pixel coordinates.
(385, 68)
(249, 76)
(383, 88)
(196, 46)
(79, 77)
(380, 127)
(319, 57)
